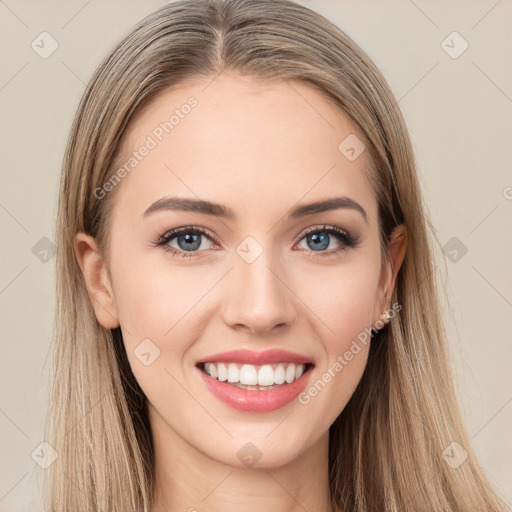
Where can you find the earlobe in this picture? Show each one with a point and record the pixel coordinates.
(97, 281)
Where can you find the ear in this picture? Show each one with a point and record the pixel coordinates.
(97, 280)
(394, 258)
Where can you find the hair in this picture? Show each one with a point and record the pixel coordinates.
(386, 446)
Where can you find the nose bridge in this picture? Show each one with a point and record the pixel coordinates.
(258, 297)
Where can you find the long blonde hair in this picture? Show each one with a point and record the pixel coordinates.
(386, 447)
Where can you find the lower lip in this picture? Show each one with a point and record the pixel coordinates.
(254, 400)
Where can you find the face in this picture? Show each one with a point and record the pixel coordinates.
(256, 272)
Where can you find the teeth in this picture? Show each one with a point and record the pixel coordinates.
(265, 376)
(251, 375)
(233, 373)
(279, 374)
(222, 371)
(248, 375)
(290, 373)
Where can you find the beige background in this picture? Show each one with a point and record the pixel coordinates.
(459, 114)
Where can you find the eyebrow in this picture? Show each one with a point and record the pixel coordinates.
(217, 210)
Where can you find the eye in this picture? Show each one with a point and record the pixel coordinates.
(318, 239)
(188, 241)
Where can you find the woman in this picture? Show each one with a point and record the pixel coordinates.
(247, 315)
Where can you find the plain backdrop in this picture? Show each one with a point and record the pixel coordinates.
(455, 91)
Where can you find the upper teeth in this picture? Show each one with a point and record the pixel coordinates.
(252, 375)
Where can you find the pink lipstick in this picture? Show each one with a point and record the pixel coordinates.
(255, 381)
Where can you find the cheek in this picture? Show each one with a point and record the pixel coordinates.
(343, 298)
(152, 293)
(155, 314)
(162, 302)
(343, 303)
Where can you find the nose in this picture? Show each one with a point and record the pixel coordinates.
(259, 299)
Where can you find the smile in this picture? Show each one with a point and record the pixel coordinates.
(255, 382)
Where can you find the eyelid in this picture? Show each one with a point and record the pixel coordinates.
(187, 229)
(321, 227)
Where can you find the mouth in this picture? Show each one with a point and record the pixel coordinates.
(255, 382)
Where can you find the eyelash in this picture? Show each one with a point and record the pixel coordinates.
(347, 241)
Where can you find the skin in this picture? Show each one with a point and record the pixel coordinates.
(260, 150)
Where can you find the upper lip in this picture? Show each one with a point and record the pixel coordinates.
(256, 358)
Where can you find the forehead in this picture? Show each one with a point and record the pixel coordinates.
(259, 148)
